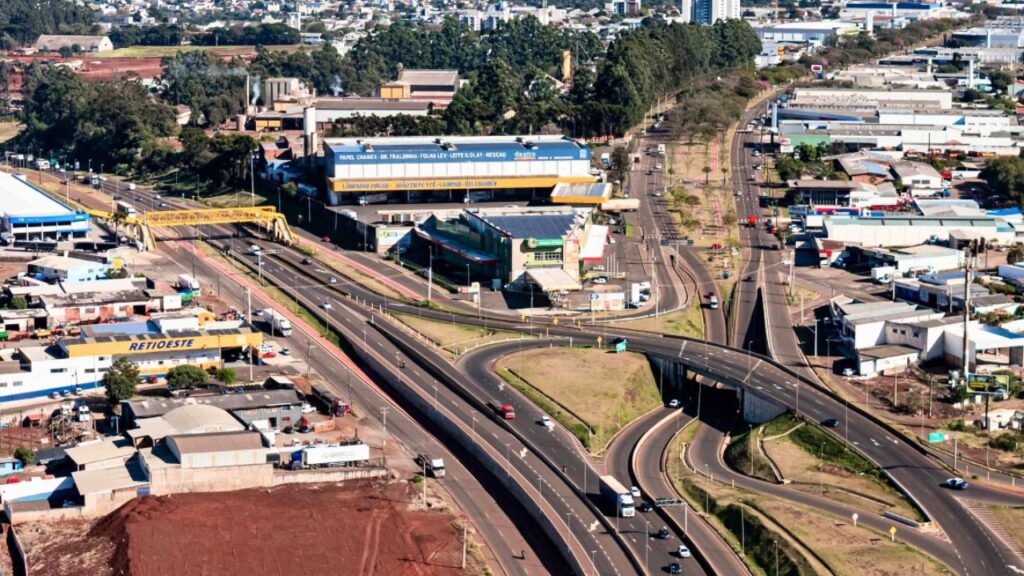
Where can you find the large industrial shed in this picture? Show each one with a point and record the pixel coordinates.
(430, 166)
(29, 213)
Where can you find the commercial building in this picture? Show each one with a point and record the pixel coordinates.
(709, 11)
(54, 42)
(436, 86)
(914, 230)
(925, 258)
(846, 193)
(57, 268)
(918, 178)
(521, 246)
(437, 167)
(154, 346)
(813, 33)
(29, 213)
(218, 449)
(852, 98)
(271, 409)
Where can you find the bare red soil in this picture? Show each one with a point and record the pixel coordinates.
(353, 529)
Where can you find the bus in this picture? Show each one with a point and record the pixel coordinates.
(125, 208)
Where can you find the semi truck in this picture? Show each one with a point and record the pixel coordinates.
(323, 456)
(330, 403)
(618, 496)
(278, 324)
(187, 282)
(433, 466)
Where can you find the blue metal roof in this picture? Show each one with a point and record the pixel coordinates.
(875, 169)
(540, 226)
(1004, 212)
(55, 219)
(125, 328)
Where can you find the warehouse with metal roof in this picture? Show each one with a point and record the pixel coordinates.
(448, 168)
(29, 213)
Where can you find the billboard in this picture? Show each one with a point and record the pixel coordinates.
(607, 301)
(387, 185)
(429, 153)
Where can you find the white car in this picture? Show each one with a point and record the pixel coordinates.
(683, 551)
(634, 491)
(673, 403)
(546, 422)
(599, 268)
(307, 409)
(600, 280)
(847, 372)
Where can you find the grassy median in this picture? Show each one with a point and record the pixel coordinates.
(593, 391)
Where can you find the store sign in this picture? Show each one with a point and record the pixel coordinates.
(175, 344)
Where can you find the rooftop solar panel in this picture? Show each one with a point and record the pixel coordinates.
(533, 225)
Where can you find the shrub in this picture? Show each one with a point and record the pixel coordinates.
(185, 376)
(26, 455)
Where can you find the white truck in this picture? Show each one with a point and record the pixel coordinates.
(278, 324)
(187, 282)
(618, 496)
(883, 274)
(433, 466)
(322, 456)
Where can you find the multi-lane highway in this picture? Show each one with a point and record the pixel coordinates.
(505, 526)
(973, 547)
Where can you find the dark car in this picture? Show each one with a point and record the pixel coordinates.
(675, 568)
(646, 507)
(664, 534)
(830, 423)
(307, 260)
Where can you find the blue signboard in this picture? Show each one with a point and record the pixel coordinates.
(430, 153)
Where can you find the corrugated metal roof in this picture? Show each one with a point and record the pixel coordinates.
(216, 442)
(263, 398)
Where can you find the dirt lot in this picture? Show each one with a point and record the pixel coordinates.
(314, 529)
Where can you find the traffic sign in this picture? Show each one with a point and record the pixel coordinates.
(936, 437)
(892, 533)
(855, 516)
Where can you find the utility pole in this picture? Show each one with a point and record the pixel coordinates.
(465, 544)
(968, 254)
(248, 317)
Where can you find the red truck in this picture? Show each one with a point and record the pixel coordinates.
(751, 220)
(506, 411)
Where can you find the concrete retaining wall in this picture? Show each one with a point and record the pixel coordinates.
(282, 477)
(175, 480)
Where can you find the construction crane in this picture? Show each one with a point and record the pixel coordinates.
(264, 216)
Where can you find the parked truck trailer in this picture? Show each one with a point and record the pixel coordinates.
(322, 456)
